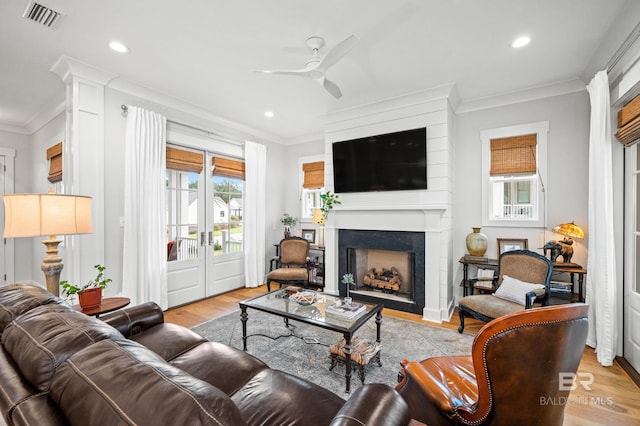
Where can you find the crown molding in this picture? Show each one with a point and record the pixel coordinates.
(183, 112)
(409, 99)
(306, 138)
(524, 95)
(67, 67)
(55, 108)
(20, 130)
(47, 114)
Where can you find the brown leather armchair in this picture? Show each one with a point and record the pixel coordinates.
(523, 267)
(292, 264)
(515, 375)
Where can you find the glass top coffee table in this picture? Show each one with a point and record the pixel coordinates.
(281, 304)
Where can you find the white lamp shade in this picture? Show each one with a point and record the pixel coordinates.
(31, 215)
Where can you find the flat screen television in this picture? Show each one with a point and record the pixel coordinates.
(389, 162)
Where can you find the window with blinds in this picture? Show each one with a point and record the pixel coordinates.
(312, 186)
(184, 161)
(313, 175)
(228, 168)
(514, 155)
(228, 203)
(54, 156)
(181, 181)
(513, 163)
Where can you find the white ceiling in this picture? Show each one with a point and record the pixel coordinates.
(204, 52)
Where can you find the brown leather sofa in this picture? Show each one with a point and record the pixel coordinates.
(59, 366)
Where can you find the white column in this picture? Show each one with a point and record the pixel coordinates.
(83, 160)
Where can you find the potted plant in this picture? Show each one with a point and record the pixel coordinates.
(329, 200)
(89, 295)
(288, 222)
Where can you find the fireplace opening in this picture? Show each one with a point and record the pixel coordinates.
(387, 267)
(386, 273)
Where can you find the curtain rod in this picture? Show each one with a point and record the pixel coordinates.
(125, 109)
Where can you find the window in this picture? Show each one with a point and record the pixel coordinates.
(228, 190)
(312, 178)
(54, 156)
(310, 201)
(181, 181)
(514, 169)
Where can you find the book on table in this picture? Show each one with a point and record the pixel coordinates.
(342, 310)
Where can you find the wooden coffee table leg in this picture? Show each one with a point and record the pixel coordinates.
(243, 318)
(347, 361)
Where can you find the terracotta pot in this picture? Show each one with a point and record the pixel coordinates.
(90, 298)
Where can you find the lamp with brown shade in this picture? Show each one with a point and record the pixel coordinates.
(33, 215)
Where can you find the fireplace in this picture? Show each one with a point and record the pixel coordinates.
(388, 267)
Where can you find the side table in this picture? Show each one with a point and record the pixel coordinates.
(108, 304)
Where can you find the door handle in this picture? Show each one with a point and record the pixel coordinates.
(210, 238)
(202, 239)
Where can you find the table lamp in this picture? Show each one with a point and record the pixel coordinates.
(563, 247)
(319, 218)
(568, 231)
(33, 215)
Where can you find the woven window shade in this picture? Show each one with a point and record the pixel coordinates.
(313, 175)
(185, 161)
(227, 167)
(513, 155)
(629, 123)
(54, 156)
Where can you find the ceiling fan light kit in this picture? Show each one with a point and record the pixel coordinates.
(316, 66)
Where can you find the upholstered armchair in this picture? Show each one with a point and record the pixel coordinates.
(292, 264)
(523, 278)
(519, 372)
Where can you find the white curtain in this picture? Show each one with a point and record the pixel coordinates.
(144, 253)
(601, 261)
(255, 157)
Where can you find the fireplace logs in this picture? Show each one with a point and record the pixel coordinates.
(387, 280)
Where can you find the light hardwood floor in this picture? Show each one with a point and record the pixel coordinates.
(613, 399)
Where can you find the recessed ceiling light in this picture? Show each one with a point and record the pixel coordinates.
(118, 47)
(520, 42)
(268, 114)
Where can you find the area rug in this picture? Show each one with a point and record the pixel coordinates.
(303, 357)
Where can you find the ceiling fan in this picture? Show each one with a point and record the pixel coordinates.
(317, 66)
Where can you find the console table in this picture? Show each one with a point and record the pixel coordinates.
(573, 269)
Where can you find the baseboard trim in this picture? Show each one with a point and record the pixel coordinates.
(628, 368)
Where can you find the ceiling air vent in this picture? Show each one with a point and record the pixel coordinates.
(41, 14)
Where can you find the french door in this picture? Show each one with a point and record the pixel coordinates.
(632, 257)
(204, 231)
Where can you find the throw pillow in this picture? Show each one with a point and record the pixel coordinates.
(515, 290)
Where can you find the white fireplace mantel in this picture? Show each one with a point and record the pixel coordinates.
(428, 219)
(428, 211)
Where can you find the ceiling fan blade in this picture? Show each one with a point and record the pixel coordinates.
(338, 52)
(298, 73)
(332, 88)
(303, 72)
